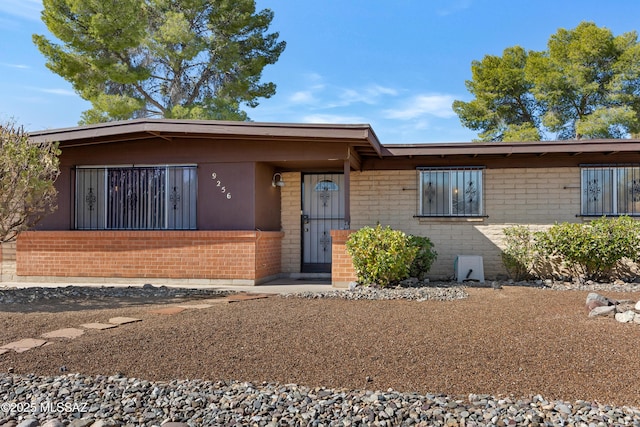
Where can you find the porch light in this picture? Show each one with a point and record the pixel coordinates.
(277, 180)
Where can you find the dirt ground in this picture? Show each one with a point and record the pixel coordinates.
(515, 341)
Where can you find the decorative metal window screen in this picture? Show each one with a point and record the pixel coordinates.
(609, 190)
(136, 198)
(451, 192)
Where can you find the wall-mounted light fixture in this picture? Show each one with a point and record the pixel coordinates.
(277, 180)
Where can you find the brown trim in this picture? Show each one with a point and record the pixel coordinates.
(363, 149)
(499, 161)
(605, 146)
(360, 136)
(347, 194)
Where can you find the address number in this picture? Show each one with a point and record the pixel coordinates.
(220, 185)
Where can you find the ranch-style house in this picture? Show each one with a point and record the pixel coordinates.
(244, 203)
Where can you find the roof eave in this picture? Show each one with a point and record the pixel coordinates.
(210, 128)
(508, 149)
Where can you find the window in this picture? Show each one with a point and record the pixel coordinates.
(451, 192)
(326, 185)
(610, 190)
(136, 198)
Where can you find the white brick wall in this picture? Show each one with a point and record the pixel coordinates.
(290, 204)
(7, 261)
(538, 197)
(530, 196)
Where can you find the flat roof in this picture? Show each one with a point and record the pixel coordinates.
(360, 136)
(573, 147)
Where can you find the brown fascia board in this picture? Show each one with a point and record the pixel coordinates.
(118, 131)
(507, 149)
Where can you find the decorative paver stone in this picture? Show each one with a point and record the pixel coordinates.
(195, 306)
(69, 333)
(24, 345)
(123, 320)
(246, 297)
(168, 310)
(99, 326)
(215, 301)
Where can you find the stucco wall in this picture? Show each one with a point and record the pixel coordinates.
(239, 166)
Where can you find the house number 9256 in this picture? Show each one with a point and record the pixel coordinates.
(220, 185)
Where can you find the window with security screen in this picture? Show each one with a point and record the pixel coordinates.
(455, 192)
(610, 190)
(136, 198)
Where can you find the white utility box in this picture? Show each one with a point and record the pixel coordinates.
(468, 267)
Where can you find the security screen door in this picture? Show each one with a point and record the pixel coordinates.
(322, 211)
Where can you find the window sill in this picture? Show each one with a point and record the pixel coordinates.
(430, 219)
(593, 217)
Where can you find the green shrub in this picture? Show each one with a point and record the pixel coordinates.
(380, 255)
(425, 256)
(519, 254)
(592, 250)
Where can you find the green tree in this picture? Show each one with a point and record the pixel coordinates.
(504, 107)
(585, 85)
(191, 59)
(28, 172)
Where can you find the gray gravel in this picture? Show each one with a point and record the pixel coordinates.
(78, 400)
(410, 290)
(95, 293)
(436, 292)
(449, 291)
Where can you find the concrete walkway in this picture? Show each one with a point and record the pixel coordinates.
(277, 286)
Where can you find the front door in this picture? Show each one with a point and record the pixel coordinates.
(322, 211)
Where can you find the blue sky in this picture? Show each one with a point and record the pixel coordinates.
(395, 64)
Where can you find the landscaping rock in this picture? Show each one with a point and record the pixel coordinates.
(415, 293)
(603, 311)
(596, 300)
(70, 294)
(626, 317)
(625, 311)
(232, 403)
(623, 306)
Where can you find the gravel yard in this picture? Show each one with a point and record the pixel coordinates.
(515, 342)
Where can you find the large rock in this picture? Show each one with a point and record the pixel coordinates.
(626, 317)
(605, 310)
(623, 306)
(596, 300)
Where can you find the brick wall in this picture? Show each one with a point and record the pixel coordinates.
(230, 255)
(7, 261)
(532, 196)
(342, 271)
(268, 254)
(291, 206)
